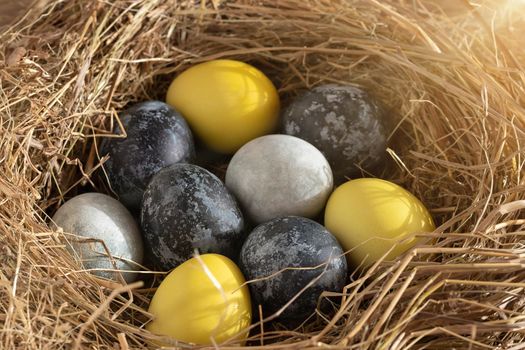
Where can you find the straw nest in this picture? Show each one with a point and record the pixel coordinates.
(453, 82)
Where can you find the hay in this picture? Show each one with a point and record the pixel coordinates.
(452, 79)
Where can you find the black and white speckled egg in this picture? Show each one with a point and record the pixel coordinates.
(292, 242)
(187, 208)
(157, 136)
(345, 123)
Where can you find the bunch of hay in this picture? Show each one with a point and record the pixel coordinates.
(454, 85)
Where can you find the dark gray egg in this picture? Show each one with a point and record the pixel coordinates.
(292, 242)
(157, 136)
(186, 208)
(345, 123)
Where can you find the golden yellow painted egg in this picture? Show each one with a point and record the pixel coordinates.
(226, 103)
(369, 216)
(202, 302)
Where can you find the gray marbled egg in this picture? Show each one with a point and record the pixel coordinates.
(292, 242)
(187, 208)
(157, 136)
(103, 218)
(345, 123)
(279, 175)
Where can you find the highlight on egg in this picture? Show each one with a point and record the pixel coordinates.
(203, 301)
(370, 216)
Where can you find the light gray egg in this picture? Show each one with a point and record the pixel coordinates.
(279, 175)
(102, 218)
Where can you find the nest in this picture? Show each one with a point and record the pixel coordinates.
(451, 78)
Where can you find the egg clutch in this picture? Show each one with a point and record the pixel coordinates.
(276, 220)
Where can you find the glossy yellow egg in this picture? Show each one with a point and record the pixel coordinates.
(227, 103)
(369, 216)
(202, 302)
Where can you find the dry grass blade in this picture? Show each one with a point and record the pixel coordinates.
(454, 85)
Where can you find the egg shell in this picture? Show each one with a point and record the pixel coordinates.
(345, 123)
(202, 301)
(370, 216)
(185, 207)
(292, 242)
(227, 103)
(101, 217)
(279, 175)
(157, 136)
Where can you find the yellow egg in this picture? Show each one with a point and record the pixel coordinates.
(368, 216)
(227, 103)
(202, 302)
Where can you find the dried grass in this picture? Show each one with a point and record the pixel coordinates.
(452, 79)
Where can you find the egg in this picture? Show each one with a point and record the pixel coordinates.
(157, 136)
(279, 175)
(187, 208)
(345, 123)
(227, 103)
(292, 242)
(100, 217)
(370, 216)
(203, 301)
